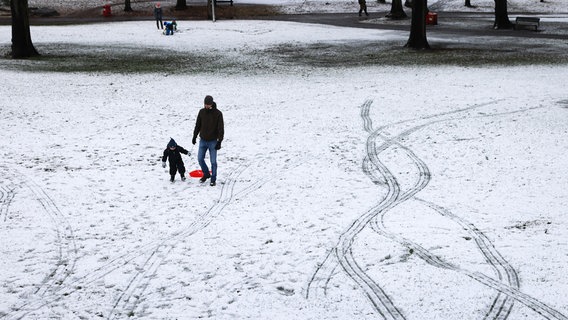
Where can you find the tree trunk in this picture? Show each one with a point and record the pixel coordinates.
(22, 46)
(501, 16)
(417, 39)
(181, 5)
(397, 11)
(468, 4)
(127, 6)
(209, 9)
(381, 1)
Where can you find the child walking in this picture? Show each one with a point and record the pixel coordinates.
(173, 153)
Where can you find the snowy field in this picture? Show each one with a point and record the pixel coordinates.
(315, 6)
(361, 192)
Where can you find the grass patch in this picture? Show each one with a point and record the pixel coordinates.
(331, 55)
(69, 58)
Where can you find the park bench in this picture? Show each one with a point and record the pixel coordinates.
(527, 22)
(223, 1)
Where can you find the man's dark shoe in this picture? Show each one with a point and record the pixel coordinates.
(204, 178)
(212, 183)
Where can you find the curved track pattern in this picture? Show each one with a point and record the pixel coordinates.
(127, 302)
(506, 283)
(7, 194)
(502, 305)
(66, 251)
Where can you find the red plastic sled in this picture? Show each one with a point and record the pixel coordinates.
(196, 174)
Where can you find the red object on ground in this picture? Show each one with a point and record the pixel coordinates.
(196, 174)
(106, 10)
(432, 18)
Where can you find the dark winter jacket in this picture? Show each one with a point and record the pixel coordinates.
(209, 124)
(174, 156)
(158, 13)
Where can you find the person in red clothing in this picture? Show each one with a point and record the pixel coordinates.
(210, 128)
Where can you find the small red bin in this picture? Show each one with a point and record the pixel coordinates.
(106, 10)
(431, 18)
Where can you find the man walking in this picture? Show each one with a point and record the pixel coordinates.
(363, 7)
(209, 125)
(158, 16)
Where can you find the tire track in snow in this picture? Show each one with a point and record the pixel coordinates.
(66, 251)
(376, 177)
(343, 253)
(502, 304)
(507, 292)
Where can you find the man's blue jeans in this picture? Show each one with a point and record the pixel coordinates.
(204, 146)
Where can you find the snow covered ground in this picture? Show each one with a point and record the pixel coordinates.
(314, 6)
(360, 192)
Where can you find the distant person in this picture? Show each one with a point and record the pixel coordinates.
(173, 154)
(169, 28)
(363, 7)
(209, 125)
(158, 16)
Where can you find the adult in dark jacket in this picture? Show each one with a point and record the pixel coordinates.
(363, 7)
(158, 16)
(173, 153)
(210, 128)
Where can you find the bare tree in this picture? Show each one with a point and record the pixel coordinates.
(22, 46)
(181, 5)
(417, 39)
(127, 6)
(468, 4)
(397, 11)
(501, 15)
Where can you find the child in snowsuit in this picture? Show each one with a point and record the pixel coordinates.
(173, 152)
(169, 28)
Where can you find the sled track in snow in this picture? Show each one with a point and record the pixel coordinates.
(128, 301)
(7, 194)
(66, 257)
(156, 255)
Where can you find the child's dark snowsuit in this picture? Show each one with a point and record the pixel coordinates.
(174, 156)
(169, 28)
